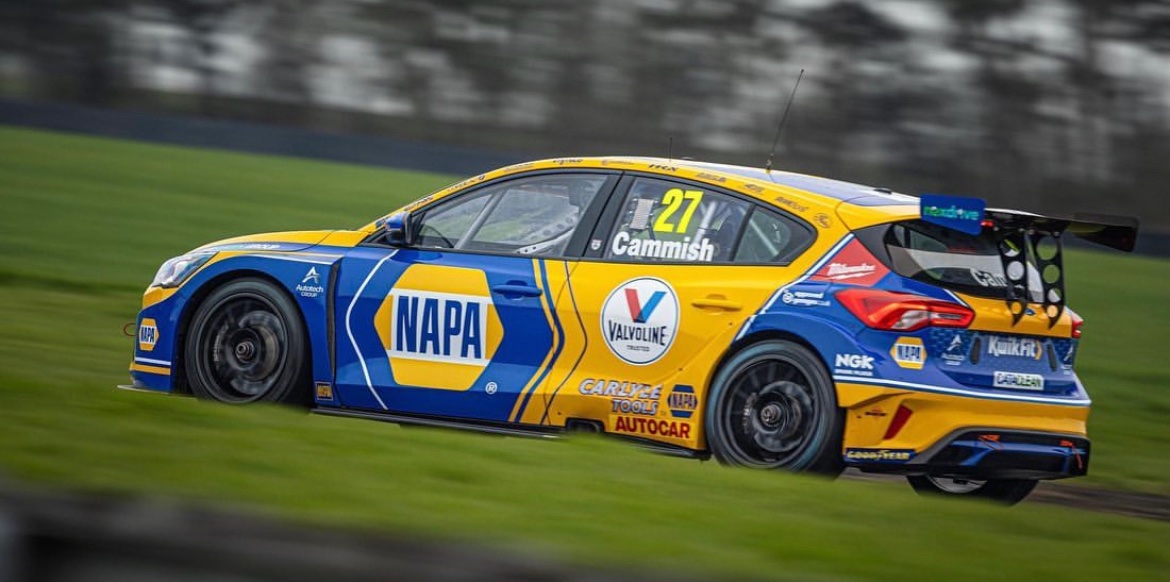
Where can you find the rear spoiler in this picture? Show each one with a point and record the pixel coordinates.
(1023, 235)
(1117, 232)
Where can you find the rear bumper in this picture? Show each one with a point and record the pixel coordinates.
(994, 454)
(909, 432)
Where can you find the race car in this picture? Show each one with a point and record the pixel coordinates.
(769, 319)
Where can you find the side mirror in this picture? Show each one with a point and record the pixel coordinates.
(398, 231)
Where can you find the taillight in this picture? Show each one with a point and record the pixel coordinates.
(903, 311)
(1077, 322)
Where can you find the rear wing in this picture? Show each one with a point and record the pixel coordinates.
(1117, 232)
(1023, 237)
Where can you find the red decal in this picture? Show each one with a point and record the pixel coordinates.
(853, 265)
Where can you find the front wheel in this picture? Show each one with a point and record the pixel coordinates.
(773, 406)
(1005, 491)
(246, 344)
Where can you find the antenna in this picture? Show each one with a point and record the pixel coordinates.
(670, 148)
(780, 126)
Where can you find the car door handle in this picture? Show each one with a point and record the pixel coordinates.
(517, 291)
(717, 302)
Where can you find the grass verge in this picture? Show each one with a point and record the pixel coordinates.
(84, 222)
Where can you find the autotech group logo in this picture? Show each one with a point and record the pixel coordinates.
(639, 320)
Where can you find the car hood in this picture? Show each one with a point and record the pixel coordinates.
(270, 241)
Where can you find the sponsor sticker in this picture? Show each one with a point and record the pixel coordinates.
(953, 212)
(798, 298)
(310, 286)
(627, 397)
(853, 365)
(324, 391)
(682, 401)
(790, 204)
(909, 352)
(1014, 347)
(652, 426)
(853, 264)
(147, 334)
(1018, 381)
(879, 455)
(639, 320)
(956, 352)
(446, 327)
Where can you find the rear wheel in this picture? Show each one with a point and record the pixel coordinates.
(246, 344)
(773, 406)
(1006, 491)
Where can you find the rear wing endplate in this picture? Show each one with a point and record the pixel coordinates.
(1023, 237)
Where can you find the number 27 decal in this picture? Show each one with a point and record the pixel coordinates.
(673, 199)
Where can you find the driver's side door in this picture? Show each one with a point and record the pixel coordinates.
(460, 322)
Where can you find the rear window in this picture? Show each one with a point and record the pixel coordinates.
(946, 258)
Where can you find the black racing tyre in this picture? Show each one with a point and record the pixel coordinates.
(1005, 491)
(773, 405)
(245, 344)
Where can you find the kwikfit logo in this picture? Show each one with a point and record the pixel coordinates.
(1013, 347)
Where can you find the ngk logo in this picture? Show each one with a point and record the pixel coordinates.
(855, 361)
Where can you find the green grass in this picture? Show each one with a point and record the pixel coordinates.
(84, 222)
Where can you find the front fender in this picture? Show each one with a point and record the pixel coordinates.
(306, 277)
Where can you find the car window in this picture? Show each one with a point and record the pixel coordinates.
(533, 216)
(667, 221)
(769, 237)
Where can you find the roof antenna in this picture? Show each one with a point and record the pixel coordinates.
(780, 126)
(670, 148)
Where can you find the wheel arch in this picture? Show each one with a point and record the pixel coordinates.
(199, 295)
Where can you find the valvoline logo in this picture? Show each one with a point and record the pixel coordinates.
(954, 212)
(639, 320)
(640, 312)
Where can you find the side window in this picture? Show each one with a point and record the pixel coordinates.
(668, 221)
(769, 237)
(533, 216)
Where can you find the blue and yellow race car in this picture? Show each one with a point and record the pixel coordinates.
(766, 318)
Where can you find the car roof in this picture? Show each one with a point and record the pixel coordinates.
(850, 192)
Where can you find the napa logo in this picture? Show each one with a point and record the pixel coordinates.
(639, 320)
(682, 401)
(147, 334)
(444, 327)
(909, 352)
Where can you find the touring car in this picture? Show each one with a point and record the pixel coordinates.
(769, 319)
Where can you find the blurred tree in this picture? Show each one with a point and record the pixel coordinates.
(202, 20)
(290, 37)
(70, 45)
(861, 44)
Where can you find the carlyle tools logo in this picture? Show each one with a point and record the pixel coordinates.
(639, 320)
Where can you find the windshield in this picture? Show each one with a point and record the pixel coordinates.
(952, 259)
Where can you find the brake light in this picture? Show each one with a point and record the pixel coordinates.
(1077, 322)
(903, 311)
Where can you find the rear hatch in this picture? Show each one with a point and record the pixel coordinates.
(1013, 332)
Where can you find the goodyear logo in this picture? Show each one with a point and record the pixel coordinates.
(909, 352)
(147, 334)
(445, 327)
(879, 455)
(682, 401)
